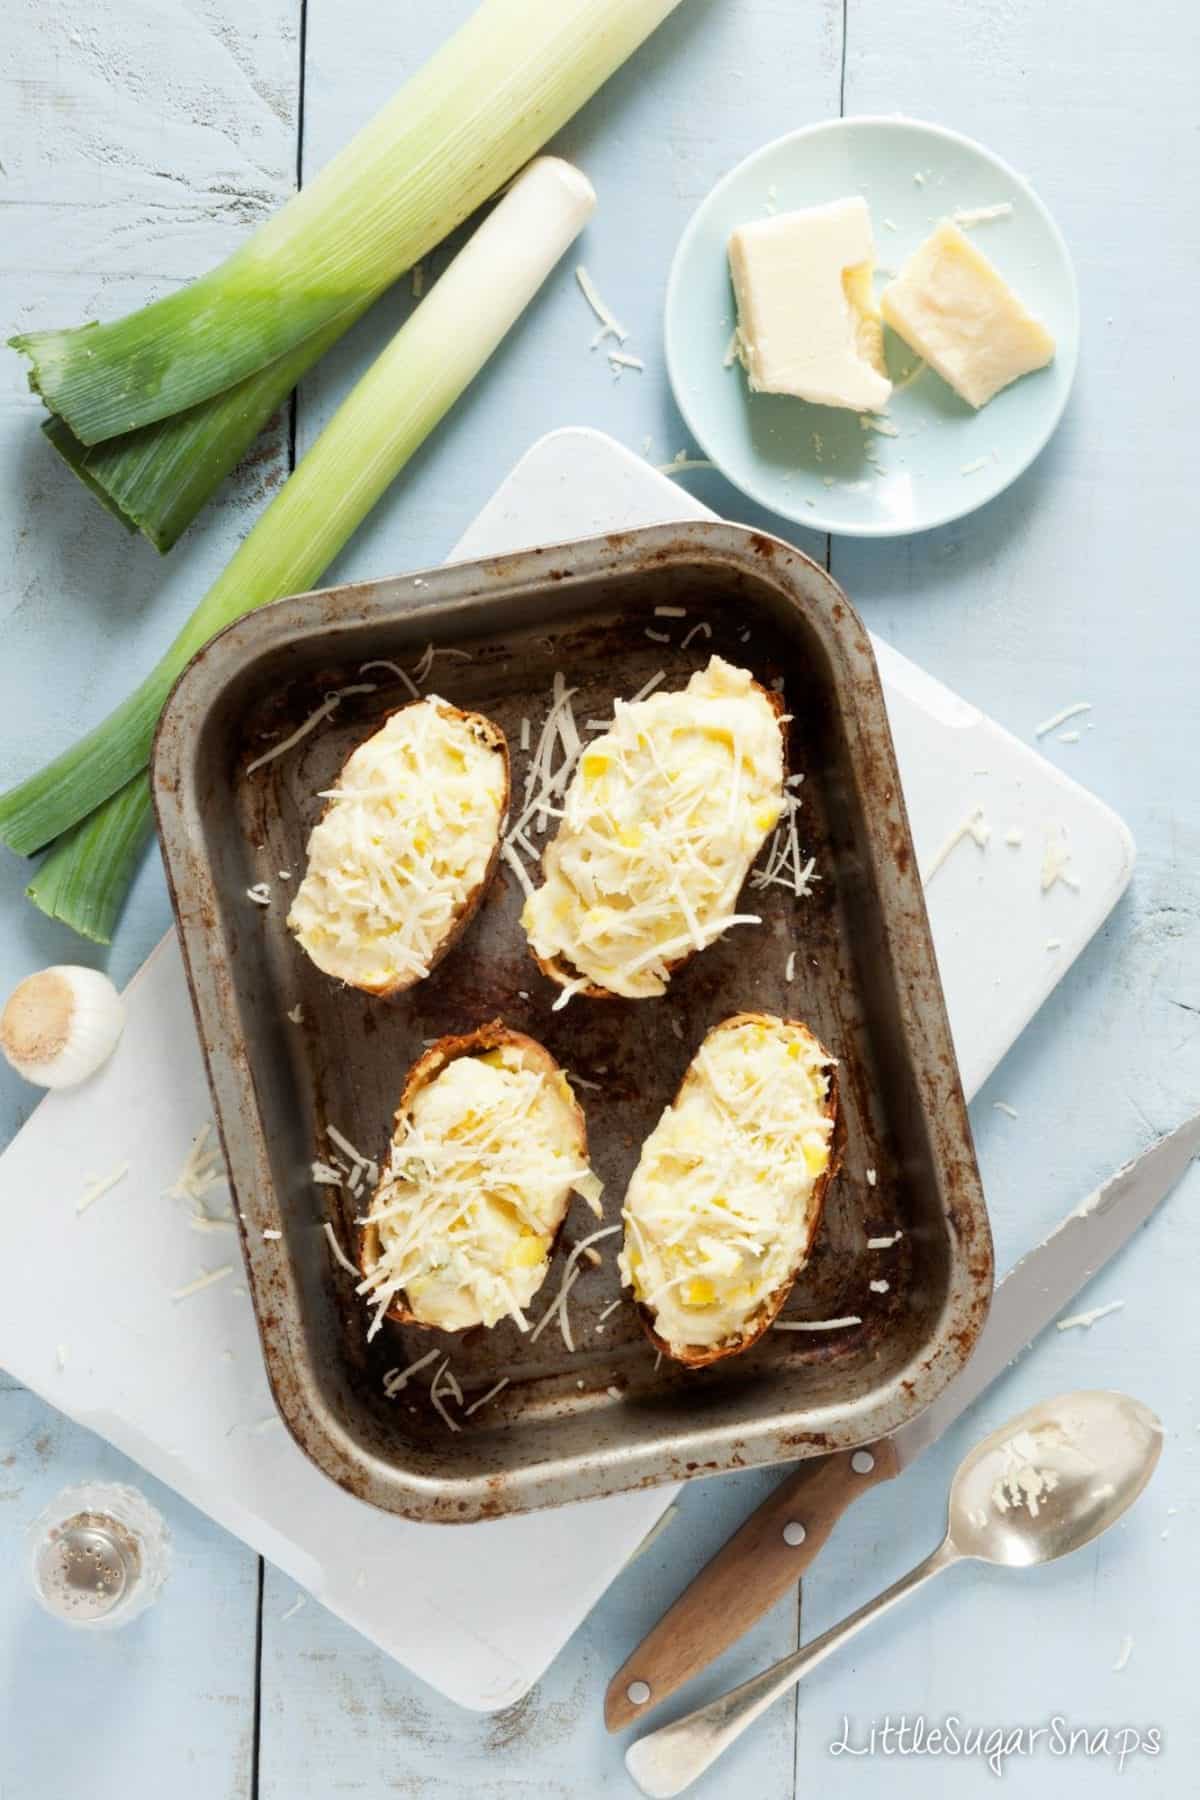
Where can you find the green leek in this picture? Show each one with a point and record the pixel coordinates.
(453, 135)
(404, 394)
(156, 479)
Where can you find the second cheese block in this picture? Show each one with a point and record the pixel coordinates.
(807, 322)
(957, 312)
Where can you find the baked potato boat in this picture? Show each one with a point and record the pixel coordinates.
(489, 1144)
(405, 848)
(725, 1202)
(662, 819)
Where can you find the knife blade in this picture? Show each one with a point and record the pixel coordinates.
(779, 1541)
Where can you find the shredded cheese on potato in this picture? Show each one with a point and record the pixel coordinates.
(479, 1177)
(718, 1215)
(663, 817)
(405, 841)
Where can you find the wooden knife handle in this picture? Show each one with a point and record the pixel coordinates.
(760, 1562)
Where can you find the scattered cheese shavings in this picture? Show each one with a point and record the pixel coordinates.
(1004, 1107)
(300, 1599)
(401, 675)
(264, 1425)
(918, 178)
(330, 704)
(1088, 1319)
(891, 225)
(872, 1177)
(360, 1161)
(609, 324)
(884, 1243)
(1068, 737)
(644, 692)
(272, 1236)
(99, 1186)
(973, 826)
(338, 1253)
(296, 1014)
(1054, 943)
(670, 612)
(973, 468)
(1056, 863)
(694, 631)
(395, 1380)
(525, 734)
(1014, 837)
(1123, 1656)
(614, 1393)
(284, 874)
(880, 1287)
(569, 1277)
(436, 1398)
(208, 1279)
(966, 216)
(260, 893)
(873, 422)
(484, 1398)
(657, 637)
(617, 360)
(789, 973)
(1023, 1485)
(681, 462)
(1060, 718)
(610, 1308)
(816, 1324)
(518, 868)
(325, 1176)
(554, 1308)
(202, 1169)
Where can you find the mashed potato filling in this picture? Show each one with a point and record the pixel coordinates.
(406, 838)
(663, 818)
(479, 1176)
(720, 1210)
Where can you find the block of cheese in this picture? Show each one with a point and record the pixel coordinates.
(954, 308)
(807, 320)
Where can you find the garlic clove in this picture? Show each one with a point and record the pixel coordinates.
(60, 1025)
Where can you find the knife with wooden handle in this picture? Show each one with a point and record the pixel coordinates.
(779, 1541)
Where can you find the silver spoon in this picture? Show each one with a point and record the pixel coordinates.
(1041, 1486)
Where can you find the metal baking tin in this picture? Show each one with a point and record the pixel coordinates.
(607, 1417)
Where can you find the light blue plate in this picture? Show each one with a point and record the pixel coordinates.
(816, 464)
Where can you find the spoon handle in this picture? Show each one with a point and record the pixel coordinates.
(667, 1761)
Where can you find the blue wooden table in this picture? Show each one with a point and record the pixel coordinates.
(138, 140)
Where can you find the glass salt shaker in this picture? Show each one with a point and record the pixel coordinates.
(99, 1555)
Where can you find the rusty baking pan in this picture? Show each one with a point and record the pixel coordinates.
(607, 1417)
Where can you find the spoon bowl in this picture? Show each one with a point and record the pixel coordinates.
(1052, 1479)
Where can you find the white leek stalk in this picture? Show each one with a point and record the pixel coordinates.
(395, 406)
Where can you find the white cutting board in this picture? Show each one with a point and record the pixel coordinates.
(478, 1610)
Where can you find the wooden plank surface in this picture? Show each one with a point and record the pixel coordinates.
(136, 142)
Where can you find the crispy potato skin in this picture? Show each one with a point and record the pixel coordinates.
(699, 1356)
(427, 1068)
(495, 739)
(559, 972)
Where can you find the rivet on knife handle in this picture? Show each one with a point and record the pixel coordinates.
(762, 1560)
